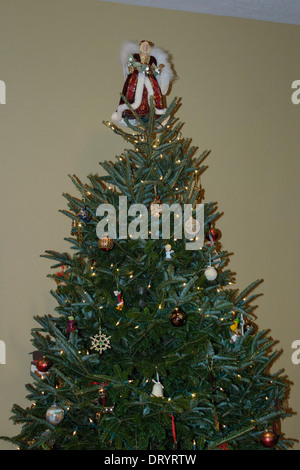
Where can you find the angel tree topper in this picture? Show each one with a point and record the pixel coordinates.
(146, 75)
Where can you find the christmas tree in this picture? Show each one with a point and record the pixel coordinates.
(150, 348)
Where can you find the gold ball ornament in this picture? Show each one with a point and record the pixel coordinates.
(105, 244)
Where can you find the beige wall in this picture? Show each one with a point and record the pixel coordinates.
(60, 62)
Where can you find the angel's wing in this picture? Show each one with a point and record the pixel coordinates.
(127, 48)
(167, 75)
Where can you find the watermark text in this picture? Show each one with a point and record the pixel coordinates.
(296, 94)
(296, 354)
(160, 221)
(2, 92)
(2, 352)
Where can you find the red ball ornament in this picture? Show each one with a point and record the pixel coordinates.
(214, 234)
(44, 364)
(268, 439)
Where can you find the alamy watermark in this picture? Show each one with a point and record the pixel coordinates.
(2, 92)
(2, 352)
(296, 354)
(137, 221)
(296, 94)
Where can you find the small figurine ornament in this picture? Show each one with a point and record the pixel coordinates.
(234, 338)
(235, 325)
(120, 300)
(84, 215)
(169, 251)
(71, 325)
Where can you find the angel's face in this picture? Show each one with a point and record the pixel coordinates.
(145, 47)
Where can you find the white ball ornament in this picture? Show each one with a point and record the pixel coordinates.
(55, 414)
(210, 273)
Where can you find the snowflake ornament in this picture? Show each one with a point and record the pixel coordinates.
(100, 342)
